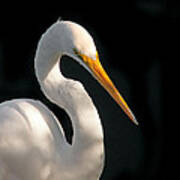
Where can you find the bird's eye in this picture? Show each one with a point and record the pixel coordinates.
(76, 52)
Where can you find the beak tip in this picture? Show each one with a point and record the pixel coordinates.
(135, 121)
(133, 118)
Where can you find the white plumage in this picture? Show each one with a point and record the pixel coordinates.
(32, 141)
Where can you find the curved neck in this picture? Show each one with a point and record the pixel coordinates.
(88, 133)
(82, 111)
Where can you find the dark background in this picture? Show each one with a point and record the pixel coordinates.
(138, 44)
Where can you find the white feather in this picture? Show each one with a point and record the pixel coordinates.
(32, 142)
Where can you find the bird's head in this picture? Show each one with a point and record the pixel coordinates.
(78, 44)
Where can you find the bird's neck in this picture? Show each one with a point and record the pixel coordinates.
(88, 134)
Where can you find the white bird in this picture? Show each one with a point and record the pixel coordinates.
(32, 142)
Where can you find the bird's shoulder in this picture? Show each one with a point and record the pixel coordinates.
(30, 112)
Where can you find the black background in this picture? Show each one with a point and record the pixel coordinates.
(138, 44)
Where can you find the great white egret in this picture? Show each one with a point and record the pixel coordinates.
(32, 142)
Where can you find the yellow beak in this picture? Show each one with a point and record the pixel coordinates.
(99, 73)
